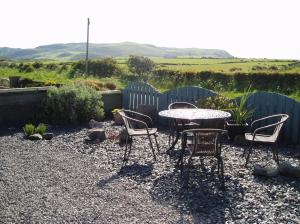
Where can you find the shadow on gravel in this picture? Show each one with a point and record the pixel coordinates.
(137, 171)
(9, 131)
(279, 181)
(204, 197)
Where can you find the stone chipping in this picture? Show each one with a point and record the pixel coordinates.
(70, 179)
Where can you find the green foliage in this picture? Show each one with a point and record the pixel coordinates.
(240, 111)
(26, 68)
(41, 129)
(110, 86)
(140, 65)
(115, 111)
(37, 65)
(29, 129)
(73, 103)
(217, 102)
(106, 67)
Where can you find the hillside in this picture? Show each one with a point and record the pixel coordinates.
(76, 51)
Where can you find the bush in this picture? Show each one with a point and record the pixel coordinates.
(102, 68)
(73, 103)
(26, 68)
(37, 65)
(29, 129)
(140, 65)
(217, 102)
(41, 129)
(99, 86)
(110, 86)
(51, 66)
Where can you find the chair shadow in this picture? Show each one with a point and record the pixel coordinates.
(203, 198)
(137, 171)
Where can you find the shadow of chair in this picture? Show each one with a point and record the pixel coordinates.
(260, 136)
(202, 143)
(137, 127)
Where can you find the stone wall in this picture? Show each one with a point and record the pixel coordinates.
(20, 106)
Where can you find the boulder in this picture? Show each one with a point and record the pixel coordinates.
(265, 171)
(97, 134)
(95, 124)
(48, 136)
(35, 137)
(289, 170)
(122, 137)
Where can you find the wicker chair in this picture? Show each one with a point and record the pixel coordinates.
(179, 125)
(203, 143)
(135, 127)
(257, 135)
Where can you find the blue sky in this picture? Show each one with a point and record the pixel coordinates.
(247, 28)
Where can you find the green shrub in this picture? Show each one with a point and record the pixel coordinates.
(41, 129)
(37, 65)
(97, 85)
(29, 129)
(73, 103)
(110, 86)
(140, 65)
(217, 102)
(26, 68)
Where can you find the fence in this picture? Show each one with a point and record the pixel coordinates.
(265, 103)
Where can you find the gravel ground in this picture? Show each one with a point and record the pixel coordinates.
(69, 179)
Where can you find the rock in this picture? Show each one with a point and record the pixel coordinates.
(265, 171)
(122, 136)
(48, 136)
(97, 134)
(289, 170)
(35, 137)
(95, 124)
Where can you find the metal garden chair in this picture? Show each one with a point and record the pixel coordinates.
(203, 143)
(258, 135)
(135, 127)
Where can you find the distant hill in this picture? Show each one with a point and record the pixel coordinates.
(76, 51)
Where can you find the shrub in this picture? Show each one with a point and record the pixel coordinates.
(41, 129)
(26, 68)
(51, 66)
(73, 103)
(140, 65)
(37, 65)
(29, 129)
(91, 83)
(110, 86)
(217, 102)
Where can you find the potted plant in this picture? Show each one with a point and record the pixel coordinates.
(117, 117)
(240, 114)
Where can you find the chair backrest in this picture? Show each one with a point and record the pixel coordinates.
(179, 105)
(125, 119)
(207, 142)
(280, 123)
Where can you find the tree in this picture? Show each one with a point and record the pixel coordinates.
(140, 65)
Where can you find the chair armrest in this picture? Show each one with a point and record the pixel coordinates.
(136, 121)
(266, 118)
(137, 113)
(266, 127)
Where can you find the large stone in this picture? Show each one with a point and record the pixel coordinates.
(97, 134)
(265, 171)
(95, 124)
(35, 137)
(48, 136)
(122, 137)
(289, 170)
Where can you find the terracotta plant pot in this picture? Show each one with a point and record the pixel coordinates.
(236, 129)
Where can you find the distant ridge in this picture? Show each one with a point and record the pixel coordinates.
(76, 51)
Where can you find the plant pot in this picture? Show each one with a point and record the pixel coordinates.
(118, 119)
(236, 129)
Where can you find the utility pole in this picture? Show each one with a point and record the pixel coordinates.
(87, 48)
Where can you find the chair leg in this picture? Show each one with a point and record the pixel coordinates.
(187, 177)
(130, 147)
(156, 143)
(150, 142)
(220, 163)
(124, 159)
(248, 155)
(275, 153)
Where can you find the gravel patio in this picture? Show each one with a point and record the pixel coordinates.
(68, 179)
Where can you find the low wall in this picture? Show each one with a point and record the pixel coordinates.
(22, 105)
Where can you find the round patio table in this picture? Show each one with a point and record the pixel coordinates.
(192, 114)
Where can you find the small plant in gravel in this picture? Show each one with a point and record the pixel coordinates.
(41, 129)
(29, 129)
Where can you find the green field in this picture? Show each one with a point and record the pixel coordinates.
(182, 66)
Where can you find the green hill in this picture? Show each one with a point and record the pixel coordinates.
(76, 51)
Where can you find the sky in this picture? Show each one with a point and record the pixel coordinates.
(244, 28)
